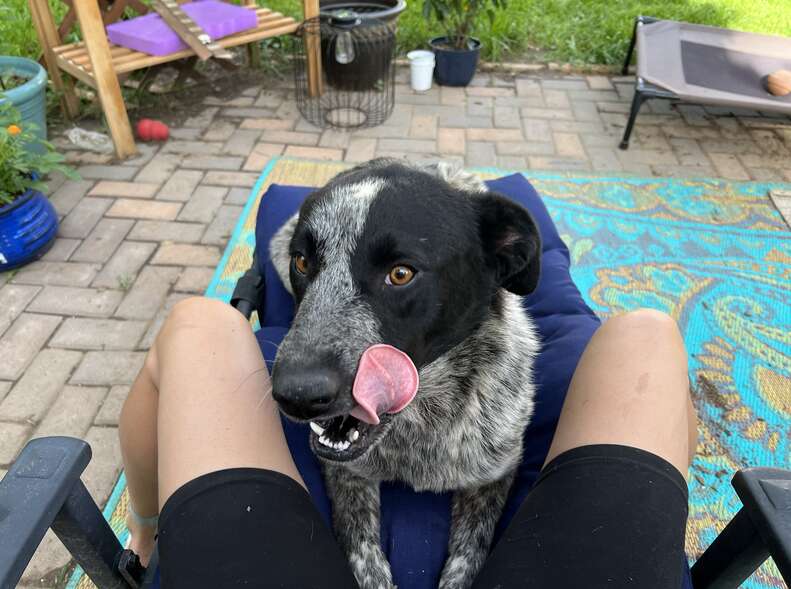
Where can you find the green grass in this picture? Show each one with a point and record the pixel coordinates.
(584, 31)
(17, 35)
(577, 31)
(598, 31)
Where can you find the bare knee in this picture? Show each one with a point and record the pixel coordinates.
(204, 311)
(199, 313)
(642, 354)
(646, 321)
(648, 333)
(190, 314)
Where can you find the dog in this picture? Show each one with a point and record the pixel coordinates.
(429, 263)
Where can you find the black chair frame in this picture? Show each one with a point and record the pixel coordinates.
(642, 90)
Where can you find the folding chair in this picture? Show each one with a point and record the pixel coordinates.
(43, 489)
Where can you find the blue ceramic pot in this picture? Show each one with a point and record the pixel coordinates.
(31, 97)
(27, 229)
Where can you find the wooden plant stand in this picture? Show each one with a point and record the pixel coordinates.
(98, 63)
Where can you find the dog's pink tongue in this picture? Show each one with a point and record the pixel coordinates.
(386, 382)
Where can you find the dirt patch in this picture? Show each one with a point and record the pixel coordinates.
(173, 101)
(710, 393)
(11, 81)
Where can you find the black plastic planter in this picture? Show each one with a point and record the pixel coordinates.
(455, 67)
(372, 43)
(358, 41)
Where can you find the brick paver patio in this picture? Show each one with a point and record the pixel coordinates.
(140, 235)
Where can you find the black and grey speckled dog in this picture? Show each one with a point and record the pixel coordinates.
(425, 260)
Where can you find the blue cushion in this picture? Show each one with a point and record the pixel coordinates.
(415, 525)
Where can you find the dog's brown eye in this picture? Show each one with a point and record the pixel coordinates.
(400, 275)
(301, 263)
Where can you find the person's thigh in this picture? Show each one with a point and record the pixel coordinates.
(610, 506)
(631, 387)
(215, 398)
(247, 527)
(601, 517)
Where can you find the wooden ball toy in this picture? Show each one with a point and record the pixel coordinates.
(151, 130)
(779, 83)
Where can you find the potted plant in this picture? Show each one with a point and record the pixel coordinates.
(457, 51)
(28, 222)
(23, 82)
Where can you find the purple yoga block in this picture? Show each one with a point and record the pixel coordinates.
(150, 34)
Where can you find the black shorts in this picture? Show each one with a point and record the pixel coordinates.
(598, 516)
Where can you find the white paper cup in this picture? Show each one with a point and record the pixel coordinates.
(421, 69)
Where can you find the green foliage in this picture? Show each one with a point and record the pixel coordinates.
(459, 18)
(17, 34)
(20, 167)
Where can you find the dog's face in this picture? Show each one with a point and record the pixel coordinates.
(388, 254)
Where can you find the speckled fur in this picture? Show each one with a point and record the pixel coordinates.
(463, 432)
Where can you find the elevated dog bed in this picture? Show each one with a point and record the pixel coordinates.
(708, 65)
(415, 526)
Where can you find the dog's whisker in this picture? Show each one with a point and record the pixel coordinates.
(246, 378)
(264, 398)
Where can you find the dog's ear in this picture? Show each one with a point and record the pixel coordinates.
(511, 242)
(279, 250)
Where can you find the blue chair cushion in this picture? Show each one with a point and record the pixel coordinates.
(415, 526)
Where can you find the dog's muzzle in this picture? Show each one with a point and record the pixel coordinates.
(345, 417)
(308, 392)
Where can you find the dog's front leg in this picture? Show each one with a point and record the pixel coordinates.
(355, 515)
(475, 514)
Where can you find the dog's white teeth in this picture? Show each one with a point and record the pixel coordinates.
(353, 435)
(317, 429)
(339, 446)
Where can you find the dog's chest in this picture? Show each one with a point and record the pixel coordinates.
(476, 447)
(438, 462)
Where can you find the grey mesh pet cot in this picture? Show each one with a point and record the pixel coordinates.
(707, 65)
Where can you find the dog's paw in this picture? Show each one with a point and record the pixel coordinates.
(371, 569)
(457, 574)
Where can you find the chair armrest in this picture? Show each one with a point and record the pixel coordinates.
(248, 295)
(762, 528)
(31, 494)
(766, 496)
(42, 490)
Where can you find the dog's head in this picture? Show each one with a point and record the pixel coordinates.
(389, 254)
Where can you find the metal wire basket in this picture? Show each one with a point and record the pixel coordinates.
(351, 83)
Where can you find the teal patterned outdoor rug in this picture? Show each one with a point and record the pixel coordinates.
(715, 255)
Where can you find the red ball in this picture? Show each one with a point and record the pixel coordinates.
(151, 130)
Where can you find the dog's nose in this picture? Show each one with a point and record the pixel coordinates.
(305, 393)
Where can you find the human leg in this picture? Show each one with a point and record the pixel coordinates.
(202, 402)
(631, 387)
(610, 506)
(203, 443)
